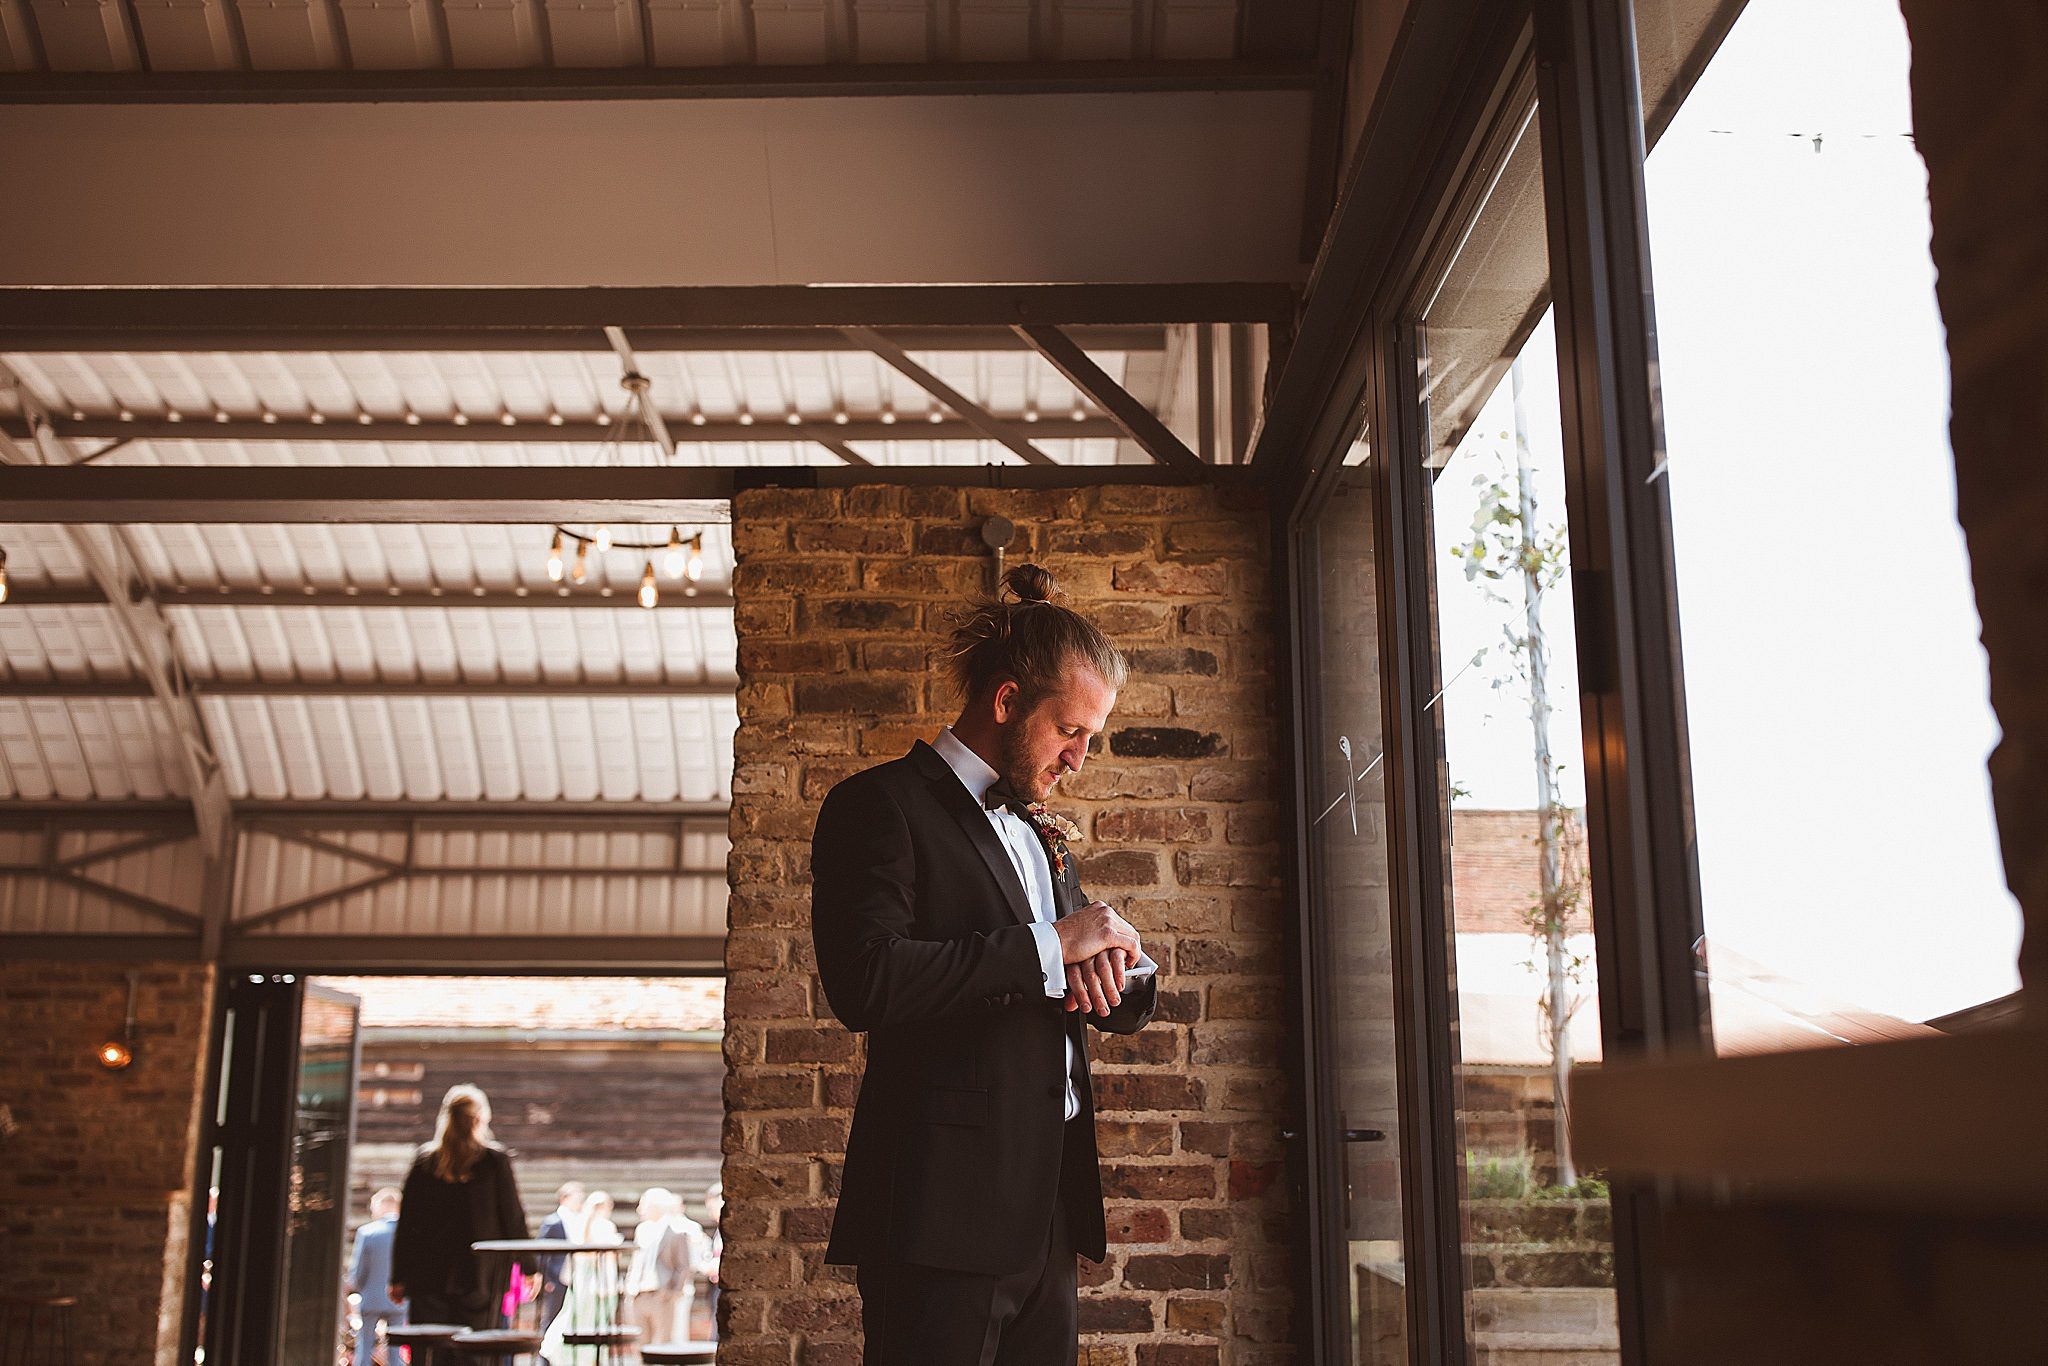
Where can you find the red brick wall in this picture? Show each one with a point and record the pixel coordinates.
(1497, 871)
(841, 597)
(94, 1183)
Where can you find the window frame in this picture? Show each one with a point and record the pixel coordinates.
(1580, 58)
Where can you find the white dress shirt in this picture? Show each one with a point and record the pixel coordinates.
(1028, 855)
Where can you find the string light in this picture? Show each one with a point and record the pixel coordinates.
(649, 593)
(693, 567)
(603, 539)
(3, 576)
(555, 560)
(580, 570)
(672, 560)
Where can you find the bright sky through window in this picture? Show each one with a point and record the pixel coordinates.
(1837, 692)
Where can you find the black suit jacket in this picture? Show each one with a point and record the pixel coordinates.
(923, 939)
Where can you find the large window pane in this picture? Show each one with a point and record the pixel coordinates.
(1539, 1269)
(1836, 691)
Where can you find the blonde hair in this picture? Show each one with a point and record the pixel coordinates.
(1028, 636)
(456, 1146)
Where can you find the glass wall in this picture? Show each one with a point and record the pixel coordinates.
(1836, 691)
(1535, 1228)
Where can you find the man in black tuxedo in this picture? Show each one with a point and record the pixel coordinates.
(951, 927)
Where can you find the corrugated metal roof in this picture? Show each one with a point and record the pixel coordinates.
(218, 35)
(363, 744)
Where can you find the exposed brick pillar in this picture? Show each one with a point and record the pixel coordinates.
(841, 598)
(1980, 118)
(95, 1184)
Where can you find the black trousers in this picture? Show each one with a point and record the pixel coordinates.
(930, 1316)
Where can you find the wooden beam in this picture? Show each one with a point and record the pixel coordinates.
(978, 417)
(1138, 422)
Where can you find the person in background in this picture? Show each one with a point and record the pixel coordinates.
(597, 1219)
(565, 1223)
(714, 1218)
(369, 1274)
(668, 1251)
(459, 1191)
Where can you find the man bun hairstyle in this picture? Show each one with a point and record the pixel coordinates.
(1026, 634)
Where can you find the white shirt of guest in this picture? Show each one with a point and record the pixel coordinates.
(1020, 840)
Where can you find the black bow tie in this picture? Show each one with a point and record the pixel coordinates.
(1000, 797)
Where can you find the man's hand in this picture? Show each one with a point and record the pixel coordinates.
(396, 1292)
(1097, 984)
(1092, 929)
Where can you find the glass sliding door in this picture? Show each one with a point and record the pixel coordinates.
(1485, 458)
(316, 1219)
(1344, 781)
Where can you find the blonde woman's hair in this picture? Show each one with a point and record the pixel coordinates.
(456, 1146)
(1027, 635)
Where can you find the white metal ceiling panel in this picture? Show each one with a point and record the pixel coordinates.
(486, 881)
(103, 895)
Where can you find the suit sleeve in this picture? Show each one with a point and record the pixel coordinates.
(864, 919)
(355, 1265)
(1140, 998)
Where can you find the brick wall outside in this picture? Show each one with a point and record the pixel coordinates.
(94, 1182)
(841, 598)
(1497, 871)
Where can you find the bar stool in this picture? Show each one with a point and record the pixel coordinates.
(424, 1339)
(606, 1340)
(498, 1344)
(680, 1354)
(36, 1329)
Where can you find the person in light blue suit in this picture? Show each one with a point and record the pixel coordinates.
(369, 1273)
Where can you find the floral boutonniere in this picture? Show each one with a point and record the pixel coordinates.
(1055, 830)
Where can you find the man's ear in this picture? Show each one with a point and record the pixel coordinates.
(1005, 702)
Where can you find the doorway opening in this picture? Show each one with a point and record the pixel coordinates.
(605, 1091)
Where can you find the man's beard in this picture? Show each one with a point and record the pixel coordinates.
(1024, 777)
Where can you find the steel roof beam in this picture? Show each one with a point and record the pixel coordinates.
(152, 649)
(203, 688)
(1138, 422)
(976, 416)
(651, 340)
(175, 815)
(568, 494)
(1281, 71)
(485, 431)
(649, 313)
(499, 600)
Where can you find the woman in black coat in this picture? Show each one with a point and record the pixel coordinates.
(460, 1191)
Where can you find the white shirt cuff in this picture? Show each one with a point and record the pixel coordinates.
(1144, 967)
(1050, 958)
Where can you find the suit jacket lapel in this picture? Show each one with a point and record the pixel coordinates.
(973, 821)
